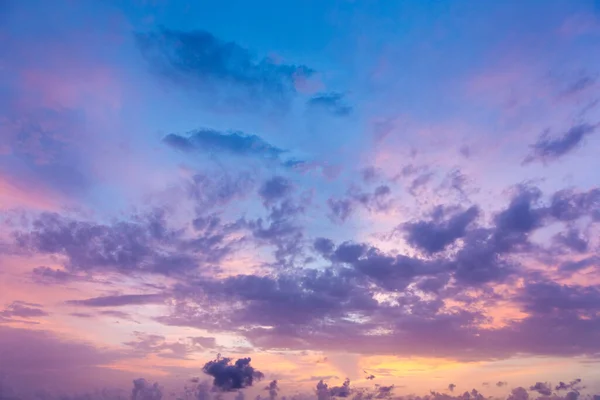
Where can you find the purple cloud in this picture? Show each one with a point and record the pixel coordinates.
(547, 149)
(120, 300)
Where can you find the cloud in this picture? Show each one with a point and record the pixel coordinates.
(542, 388)
(547, 149)
(181, 349)
(451, 387)
(569, 205)
(442, 230)
(273, 389)
(235, 143)
(228, 376)
(142, 243)
(53, 275)
(200, 61)
(572, 385)
(572, 240)
(21, 309)
(274, 189)
(377, 201)
(144, 390)
(119, 300)
(332, 103)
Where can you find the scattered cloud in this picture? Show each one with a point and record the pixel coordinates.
(547, 149)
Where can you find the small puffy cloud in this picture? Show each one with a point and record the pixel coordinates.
(230, 376)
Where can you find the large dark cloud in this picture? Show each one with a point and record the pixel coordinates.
(140, 244)
(230, 376)
(442, 230)
(335, 307)
(547, 149)
(201, 61)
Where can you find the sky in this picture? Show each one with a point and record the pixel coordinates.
(400, 194)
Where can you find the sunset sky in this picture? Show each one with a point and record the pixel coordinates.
(399, 193)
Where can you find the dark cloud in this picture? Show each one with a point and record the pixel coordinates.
(543, 298)
(333, 103)
(53, 276)
(572, 240)
(548, 149)
(323, 246)
(281, 229)
(572, 385)
(325, 392)
(120, 300)
(201, 61)
(569, 205)
(144, 390)
(436, 234)
(341, 391)
(234, 143)
(501, 383)
(143, 243)
(273, 389)
(228, 376)
(21, 309)
(542, 388)
(451, 387)
(275, 189)
(521, 216)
